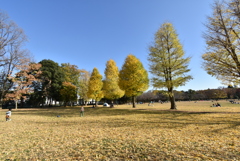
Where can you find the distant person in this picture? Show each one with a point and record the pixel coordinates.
(149, 104)
(82, 111)
(112, 105)
(8, 114)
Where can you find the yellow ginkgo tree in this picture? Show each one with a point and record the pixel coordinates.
(68, 93)
(222, 36)
(133, 78)
(168, 64)
(111, 88)
(95, 86)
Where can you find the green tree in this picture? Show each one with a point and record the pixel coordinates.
(190, 93)
(68, 93)
(230, 91)
(71, 73)
(111, 88)
(222, 37)
(133, 78)
(95, 86)
(52, 78)
(83, 85)
(167, 64)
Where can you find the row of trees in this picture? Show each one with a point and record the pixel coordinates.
(168, 65)
(131, 81)
(196, 95)
(63, 83)
(48, 80)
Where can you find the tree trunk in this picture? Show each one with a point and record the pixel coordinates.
(21, 102)
(96, 103)
(133, 102)
(16, 104)
(172, 100)
(50, 104)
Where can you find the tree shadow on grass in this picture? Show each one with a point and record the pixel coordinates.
(170, 119)
(103, 111)
(72, 112)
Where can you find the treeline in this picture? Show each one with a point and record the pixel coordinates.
(229, 92)
(47, 82)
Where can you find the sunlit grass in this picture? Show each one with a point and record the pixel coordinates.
(195, 131)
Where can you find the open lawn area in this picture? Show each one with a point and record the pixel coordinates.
(195, 131)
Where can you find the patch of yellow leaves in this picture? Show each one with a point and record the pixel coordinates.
(119, 134)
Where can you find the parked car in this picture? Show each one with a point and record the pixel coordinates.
(106, 105)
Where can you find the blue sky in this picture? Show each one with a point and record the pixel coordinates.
(88, 33)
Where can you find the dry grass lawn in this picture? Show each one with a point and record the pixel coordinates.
(195, 131)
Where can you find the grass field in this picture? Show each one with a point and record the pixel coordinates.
(195, 131)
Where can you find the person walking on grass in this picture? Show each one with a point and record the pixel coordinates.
(8, 114)
(82, 111)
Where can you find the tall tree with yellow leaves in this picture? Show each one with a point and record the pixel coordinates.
(222, 59)
(167, 64)
(95, 86)
(133, 78)
(68, 93)
(111, 88)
